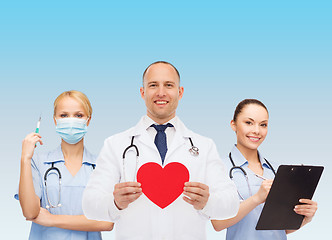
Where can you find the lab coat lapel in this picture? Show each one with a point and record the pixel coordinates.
(180, 137)
(142, 135)
(147, 140)
(177, 142)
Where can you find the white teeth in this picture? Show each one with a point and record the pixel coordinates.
(161, 102)
(253, 138)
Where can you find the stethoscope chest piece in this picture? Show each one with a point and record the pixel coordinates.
(194, 151)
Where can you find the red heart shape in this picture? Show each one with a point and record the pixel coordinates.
(162, 185)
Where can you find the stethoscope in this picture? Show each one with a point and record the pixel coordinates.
(50, 205)
(245, 173)
(194, 151)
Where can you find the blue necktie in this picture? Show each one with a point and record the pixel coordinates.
(160, 139)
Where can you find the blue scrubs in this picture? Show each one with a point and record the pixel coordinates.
(72, 188)
(245, 229)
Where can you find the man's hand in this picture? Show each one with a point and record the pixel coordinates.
(126, 193)
(196, 194)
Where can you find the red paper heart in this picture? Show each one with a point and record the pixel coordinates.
(162, 185)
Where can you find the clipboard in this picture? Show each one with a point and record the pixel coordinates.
(291, 183)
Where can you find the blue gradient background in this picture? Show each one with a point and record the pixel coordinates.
(276, 51)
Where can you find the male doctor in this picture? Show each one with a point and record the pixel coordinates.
(113, 194)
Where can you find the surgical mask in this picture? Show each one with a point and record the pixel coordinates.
(71, 130)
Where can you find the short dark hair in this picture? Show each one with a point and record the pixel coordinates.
(164, 62)
(244, 103)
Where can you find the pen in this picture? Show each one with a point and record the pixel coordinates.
(261, 177)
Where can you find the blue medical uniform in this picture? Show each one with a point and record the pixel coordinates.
(72, 188)
(245, 229)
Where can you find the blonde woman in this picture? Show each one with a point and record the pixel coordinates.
(51, 184)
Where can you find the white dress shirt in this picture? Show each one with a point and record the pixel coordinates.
(170, 131)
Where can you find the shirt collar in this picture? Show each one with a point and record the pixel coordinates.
(237, 157)
(57, 156)
(147, 122)
(144, 124)
(263, 161)
(240, 160)
(88, 157)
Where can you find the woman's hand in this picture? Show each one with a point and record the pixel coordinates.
(29, 145)
(44, 218)
(263, 191)
(308, 209)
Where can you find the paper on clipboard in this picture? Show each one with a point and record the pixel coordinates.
(291, 183)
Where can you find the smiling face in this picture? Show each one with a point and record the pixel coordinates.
(161, 92)
(250, 127)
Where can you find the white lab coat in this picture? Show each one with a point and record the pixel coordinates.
(143, 219)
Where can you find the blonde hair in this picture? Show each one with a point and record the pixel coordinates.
(79, 96)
